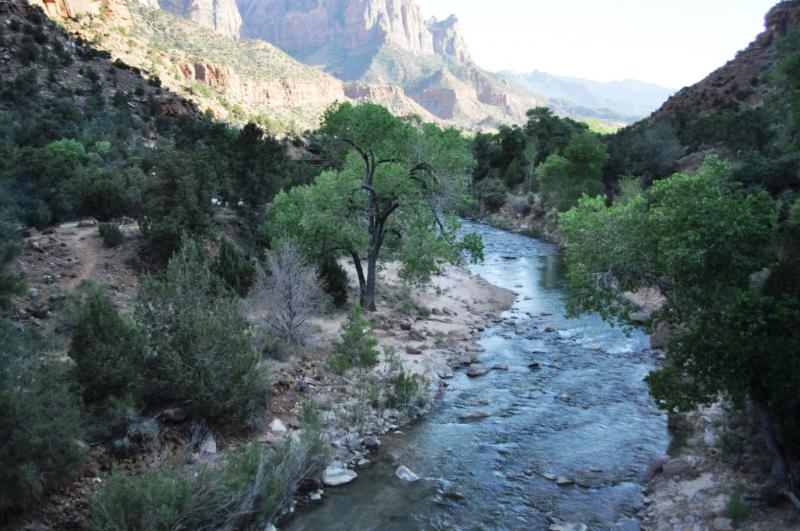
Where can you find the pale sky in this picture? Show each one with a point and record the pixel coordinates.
(670, 42)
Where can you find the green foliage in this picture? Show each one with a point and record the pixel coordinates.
(334, 280)
(111, 234)
(246, 490)
(736, 508)
(400, 176)
(237, 271)
(564, 179)
(198, 350)
(177, 199)
(40, 421)
(700, 238)
(10, 283)
(357, 346)
(406, 391)
(490, 193)
(107, 350)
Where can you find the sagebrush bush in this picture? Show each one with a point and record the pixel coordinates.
(246, 490)
(238, 272)
(198, 350)
(40, 421)
(107, 349)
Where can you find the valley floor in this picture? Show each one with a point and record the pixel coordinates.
(430, 329)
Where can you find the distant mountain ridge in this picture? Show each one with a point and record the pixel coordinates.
(627, 100)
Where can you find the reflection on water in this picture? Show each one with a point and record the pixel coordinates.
(584, 414)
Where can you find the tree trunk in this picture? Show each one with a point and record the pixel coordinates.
(780, 471)
(362, 281)
(372, 262)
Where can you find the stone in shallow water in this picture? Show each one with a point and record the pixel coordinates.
(336, 475)
(474, 415)
(476, 369)
(563, 481)
(404, 473)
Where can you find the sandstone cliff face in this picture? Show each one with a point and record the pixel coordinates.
(740, 79)
(392, 97)
(448, 40)
(273, 92)
(300, 27)
(221, 16)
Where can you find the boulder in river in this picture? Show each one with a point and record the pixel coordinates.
(477, 369)
(476, 414)
(404, 473)
(336, 475)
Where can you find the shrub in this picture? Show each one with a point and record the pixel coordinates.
(357, 347)
(236, 270)
(405, 391)
(737, 509)
(247, 490)
(9, 247)
(292, 292)
(334, 280)
(111, 234)
(40, 421)
(198, 348)
(107, 350)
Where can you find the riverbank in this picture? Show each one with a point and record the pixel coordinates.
(426, 333)
(716, 478)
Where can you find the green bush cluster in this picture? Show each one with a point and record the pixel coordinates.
(334, 280)
(111, 234)
(247, 490)
(40, 421)
(357, 346)
(188, 345)
(235, 270)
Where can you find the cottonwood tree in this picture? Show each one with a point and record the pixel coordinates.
(700, 239)
(395, 195)
(291, 291)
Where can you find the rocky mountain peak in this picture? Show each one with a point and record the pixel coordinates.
(222, 16)
(448, 41)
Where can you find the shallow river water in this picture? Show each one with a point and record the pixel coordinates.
(583, 414)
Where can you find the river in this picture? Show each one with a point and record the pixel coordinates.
(583, 414)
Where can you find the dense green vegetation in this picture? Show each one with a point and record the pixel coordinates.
(721, 244)
(396, 188)
(559, 157)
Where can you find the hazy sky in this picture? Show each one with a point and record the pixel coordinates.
(670, 42)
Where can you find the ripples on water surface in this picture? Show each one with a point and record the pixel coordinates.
(584, 414)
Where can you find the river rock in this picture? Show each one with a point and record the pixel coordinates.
(568, 526)
(475, 415)
(477, 369)
(363, 463)
(277, 426)
(680, 467)
(413, 351)
(563, 481)
(453, 495)
(336, 475)
(445, 373)
(500, 367)
(371, 442)
(404, 473)
(315, 496)
(415, 335)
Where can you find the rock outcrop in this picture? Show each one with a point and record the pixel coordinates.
(278, 92)
(740, 80)
(302, 28)
(221, 16)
